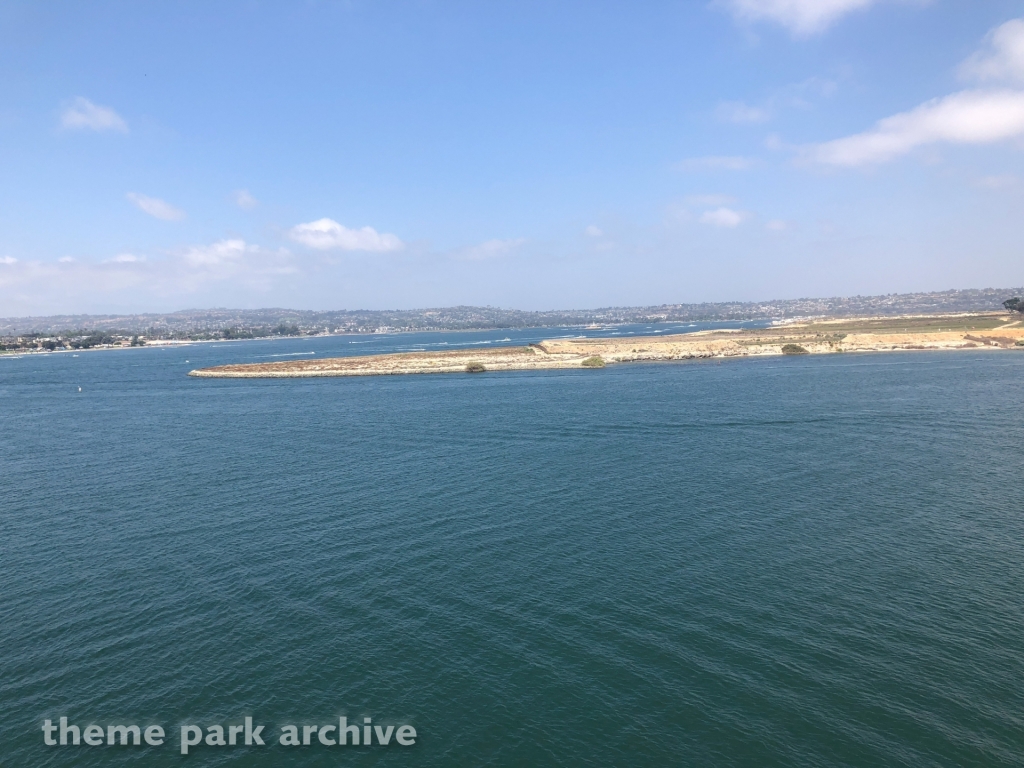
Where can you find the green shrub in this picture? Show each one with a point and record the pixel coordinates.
(593, 362)
(794, 349)
(1020, 342)
(475, 368)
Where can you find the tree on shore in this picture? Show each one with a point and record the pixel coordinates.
(94, 339)
(1014, 305)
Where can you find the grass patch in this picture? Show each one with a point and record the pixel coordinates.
(593, 362)
(932, 324)
(794, 349)
(475, 368)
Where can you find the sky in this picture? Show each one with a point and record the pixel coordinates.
(530, 155)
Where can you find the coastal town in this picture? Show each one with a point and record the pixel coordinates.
(77, 332)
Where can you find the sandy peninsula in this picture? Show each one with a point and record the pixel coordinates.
(994, 331)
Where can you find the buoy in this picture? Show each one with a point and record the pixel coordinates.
(79, 389)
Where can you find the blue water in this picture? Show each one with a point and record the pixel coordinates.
(778, 562)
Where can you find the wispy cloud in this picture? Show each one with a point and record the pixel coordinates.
(738, 112)
(329, 235)
(225, 265)
(717, 162)
(968, 117)
(1001, 58)
(156, 207)
(231, 261)
(8, 260)
(83, 114)
(975, 116)
(799, 95)
(709, 200)
(244, 200)
(777, 225)
(489, 249)
(219, 254)
(593, 231)
(722, 217)
(1000, 181)
(801, 17)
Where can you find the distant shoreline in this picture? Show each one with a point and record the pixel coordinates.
(186, 342)
(269, 322)
(828, 336)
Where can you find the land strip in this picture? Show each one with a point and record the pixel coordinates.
(990, 331)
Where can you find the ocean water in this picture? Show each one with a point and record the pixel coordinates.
(779, 562)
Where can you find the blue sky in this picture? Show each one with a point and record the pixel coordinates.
(356, 154)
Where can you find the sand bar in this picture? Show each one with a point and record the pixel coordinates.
(988, 332)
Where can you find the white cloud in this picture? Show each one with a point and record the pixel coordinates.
(975, 116)
(593, 231)
(968, 117)
(82, 113)
(327, 235)
(1002, 58)
(738, 112)
(8, 260)
(777, 225)
(156, 207)
(123, 258)
(719, 162)
(218, 254)
(801, 17)
(232, 259)
(244, 200)
(722, 217)
(489, 249)
(66, 259)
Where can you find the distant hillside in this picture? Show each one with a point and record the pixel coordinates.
(244, 323)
